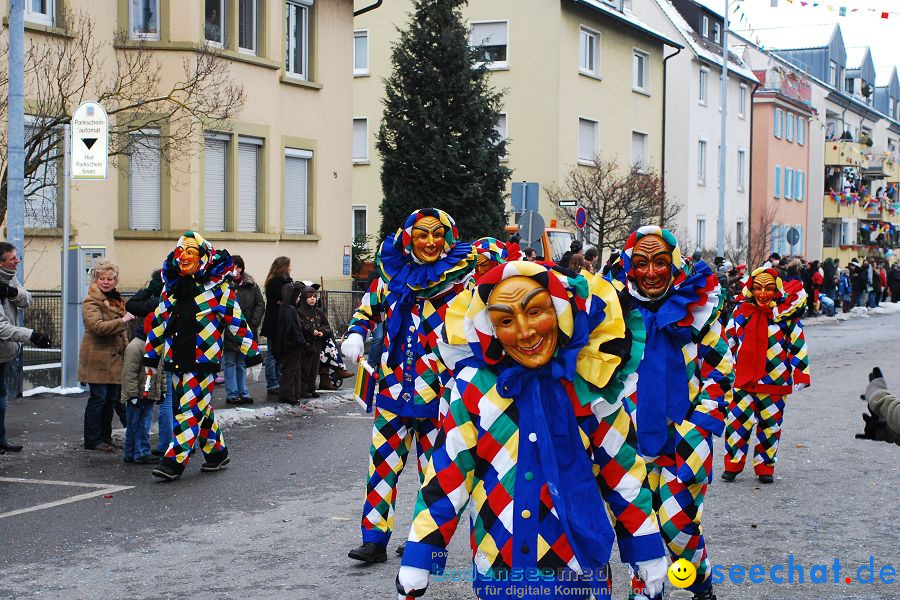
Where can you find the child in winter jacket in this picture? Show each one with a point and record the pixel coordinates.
(315, 330)
(138, 403)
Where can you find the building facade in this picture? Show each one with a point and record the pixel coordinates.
(274, 180)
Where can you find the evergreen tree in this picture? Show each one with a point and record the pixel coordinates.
(437, 139)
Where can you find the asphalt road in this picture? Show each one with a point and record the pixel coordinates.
(279, 521)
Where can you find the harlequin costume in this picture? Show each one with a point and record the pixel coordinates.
(410, 296)
(771, 361)
(684, 387)
(187, 331)
(540, 451)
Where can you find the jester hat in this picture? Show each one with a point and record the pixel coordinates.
(214, 264)
(493, 249)
(626, 271)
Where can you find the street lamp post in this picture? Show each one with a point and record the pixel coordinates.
(723, 148)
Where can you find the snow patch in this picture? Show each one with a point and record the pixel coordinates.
(56, 391)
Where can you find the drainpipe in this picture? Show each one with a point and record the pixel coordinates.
(662, 174)
(749, 233)
(366, 9)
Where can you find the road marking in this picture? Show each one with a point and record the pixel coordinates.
(102, 489)
(366, 417)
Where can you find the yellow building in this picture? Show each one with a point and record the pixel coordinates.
(274, 180)
(581, 77)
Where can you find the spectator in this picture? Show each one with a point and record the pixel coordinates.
(829, 277)
(874, 284)
(315, 330)
(530, 254)
(592, 256)
(13, 296)
(139, 398)
(858, 283)
(882, 275)
(143, 303)
(289, 343)
(845, 290)
(250, 299)
(574, 248)
(101, 356)
(894, 281)
(279, 275)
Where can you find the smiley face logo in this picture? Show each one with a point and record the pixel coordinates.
(682, 573)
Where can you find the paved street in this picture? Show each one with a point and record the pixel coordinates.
(279, 521)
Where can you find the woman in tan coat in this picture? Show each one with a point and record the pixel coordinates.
(102, 354)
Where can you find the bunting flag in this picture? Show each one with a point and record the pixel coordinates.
(842, 10)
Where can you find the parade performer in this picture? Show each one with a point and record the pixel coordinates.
(491, 252)
(767, 341)
(197, 305)
(421, 270)
(684, 386)
(539, 439)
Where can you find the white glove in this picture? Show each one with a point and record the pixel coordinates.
(411, 579)
(652, 573)
(800, 386)
(353, 347)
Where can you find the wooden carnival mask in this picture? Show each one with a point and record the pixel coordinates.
(188, 257)
(763, 289)
(524, 318)
(428, 239)
(652, 264)
(483, 264)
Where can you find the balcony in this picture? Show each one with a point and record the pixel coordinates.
(844, 153)
(843, 210)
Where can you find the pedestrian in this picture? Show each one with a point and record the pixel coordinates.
(829, 278)
(279, 275)
(316, 329)
(574, 248)
(530, 254)
(874, 281)
(858, 280)
(139, 397)
(845, 290)
(894, 282)
(250, 299)
(592, 257)
(101, 355)
(13, 296)
(288, 345)
(142, 304)
(195, 274)
(882, 275)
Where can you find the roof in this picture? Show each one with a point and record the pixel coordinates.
(702, 50)
(630, 19)
(791, 38)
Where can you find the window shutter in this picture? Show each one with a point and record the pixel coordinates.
(586, 146)
(777, 181)
(487, 34)
(360, 140)
(296, 192)
(144, 185)
(214, 184)
(248, 156)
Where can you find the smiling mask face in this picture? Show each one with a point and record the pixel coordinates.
(523, 316)
(652, 264)
(189, 257)
(763, 289)
(428, 239)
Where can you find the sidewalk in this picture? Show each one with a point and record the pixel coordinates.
(859, 312)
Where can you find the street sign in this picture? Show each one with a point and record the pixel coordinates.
(580, 217)
(525, 195)
(90, 141)
(793, 236)
(346, 265)
(531, 228)
(568, 203)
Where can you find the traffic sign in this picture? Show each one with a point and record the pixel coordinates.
(793, 236)
(531, 228)
(568, 203)
(580, 217)
(90, 141)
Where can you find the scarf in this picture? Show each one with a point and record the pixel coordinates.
(751, 360)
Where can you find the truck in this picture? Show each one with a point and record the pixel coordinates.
(555, 241)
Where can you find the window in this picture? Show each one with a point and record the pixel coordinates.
(701, 162)
(704, 26)
(589, 52)
(42, 185)
(248, 190)
(742, 101)
(892, 105)
(740, 228)
(215, 177)
(361, 140)
(777, 181)
(247, 26)
(143, 19)
(790, 122)
(144, 183)
(214, 21)
(360, 52)
(501, 132)
(741, 169)
(587, 140)
(701, 233)
(779, 118)
(704, 76)
(360, 218)
(297, 60)
(848, 85)
(717, 32)
(832, 74)
(640, 71)
(296, 190)
(40, 11)
(490, 39)
(788, 183)
(800, 185)
(845, 234)
(639, 150)
(801, 130)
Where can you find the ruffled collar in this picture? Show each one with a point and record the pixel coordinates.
(695, 299)
(425, 279)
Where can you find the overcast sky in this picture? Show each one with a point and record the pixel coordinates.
(861, 28)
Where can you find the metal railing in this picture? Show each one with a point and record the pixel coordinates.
(340, 306)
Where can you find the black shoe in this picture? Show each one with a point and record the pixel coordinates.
(706, 594)
(128, 461)
(148, 459)
(369, 552)
(291, 401)
(273, 391)
(245, 400)
(729, 475)
(314, 395)
(159, 453)
(400, 549)
(232, 401)
(306, 395)
(215, 461)
(766, 479)
(11, 447)
(168, 469)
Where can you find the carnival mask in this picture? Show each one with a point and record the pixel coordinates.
(652, 262)
(428, 239)
(483, 265)
(524, 318)
(188, 257)
(763, 289)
